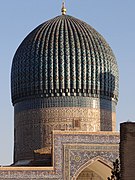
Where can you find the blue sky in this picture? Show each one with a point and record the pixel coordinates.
(114, 19)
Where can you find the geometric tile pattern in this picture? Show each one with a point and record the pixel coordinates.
(81, 154)
(71, 151)
(51, 102)
(33, 127)
(64, 57)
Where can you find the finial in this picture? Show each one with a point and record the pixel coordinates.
(63, 9)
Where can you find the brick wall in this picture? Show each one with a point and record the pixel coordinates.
(127, 150)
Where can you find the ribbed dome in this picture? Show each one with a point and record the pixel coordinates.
(64, 57)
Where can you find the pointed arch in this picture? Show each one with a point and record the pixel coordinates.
(99, 165)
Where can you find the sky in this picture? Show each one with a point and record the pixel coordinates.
(114, 19)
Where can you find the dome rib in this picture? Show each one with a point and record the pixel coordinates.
(67, 58)
(92, 86)
(56, 56)
(85, 49)
(51, 58)
(77, 58)
(64, 57)
(72, 58)
(83, 58)
(61, 58)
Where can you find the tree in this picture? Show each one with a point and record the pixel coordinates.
(115, 171)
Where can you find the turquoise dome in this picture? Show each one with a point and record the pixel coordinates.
(64, 57)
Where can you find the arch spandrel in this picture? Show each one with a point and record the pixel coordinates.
(98, 165)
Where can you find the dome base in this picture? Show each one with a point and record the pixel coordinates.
(34, 121)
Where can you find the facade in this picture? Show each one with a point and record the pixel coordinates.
(127, 149)
(76, 155)
(64, 86)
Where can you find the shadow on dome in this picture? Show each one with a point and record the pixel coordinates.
(107, 102)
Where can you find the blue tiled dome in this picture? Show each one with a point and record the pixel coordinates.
(64, 57)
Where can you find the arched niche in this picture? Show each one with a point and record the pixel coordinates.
(94, 169)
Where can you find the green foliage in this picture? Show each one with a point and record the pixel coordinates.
(115, 171)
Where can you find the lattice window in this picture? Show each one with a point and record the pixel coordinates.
(77, 123)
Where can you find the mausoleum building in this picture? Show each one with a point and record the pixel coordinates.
(64, 87)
